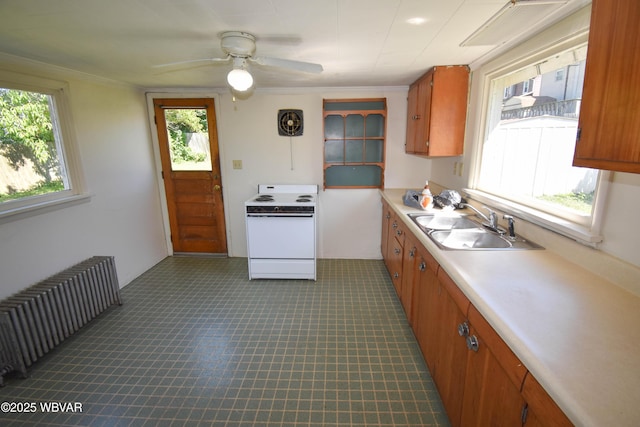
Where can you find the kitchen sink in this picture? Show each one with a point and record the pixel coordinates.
(452, 231)
(471, 238)
(444, 222)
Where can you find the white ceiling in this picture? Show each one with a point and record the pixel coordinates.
(358, 42)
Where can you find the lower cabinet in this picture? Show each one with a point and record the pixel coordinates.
(425, 304)
(493, 380)
(395, 265)
(480, 380)
(541, 410)
(409, 257)
(450, 352)
(387, 218)
(392, 245)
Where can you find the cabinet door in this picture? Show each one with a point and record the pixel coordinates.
(408, 272)
(450, 348)
(413, 116)
(542, 411)
(437, 112)
(395, 264)
(609, 125)
(424, 113)
(386, 222)
(418, 114)
(392, 224)
(448, 111)
(493, 379)
(426, 313)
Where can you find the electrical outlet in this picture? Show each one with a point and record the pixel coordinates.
(455, 168)
(460, 166)
(237, 164)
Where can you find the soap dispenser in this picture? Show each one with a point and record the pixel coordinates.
(426, 198)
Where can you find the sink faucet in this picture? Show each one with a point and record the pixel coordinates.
(491, 221)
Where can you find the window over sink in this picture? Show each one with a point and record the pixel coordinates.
(524, 163)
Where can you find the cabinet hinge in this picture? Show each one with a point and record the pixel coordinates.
(525, 411)
(578, 134)
(162, 173)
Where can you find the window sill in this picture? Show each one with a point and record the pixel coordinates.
(20, 212)
(577, 232)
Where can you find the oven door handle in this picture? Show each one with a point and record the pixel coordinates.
(279, 216)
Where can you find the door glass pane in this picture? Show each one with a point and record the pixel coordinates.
(373, 151)
(354, 151)
(188, 134)
(355, 105)
(355, 176)
(355, 126)
(333, 127)
(375, 125)
(334, 151)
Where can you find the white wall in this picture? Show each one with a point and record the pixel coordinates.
(122, 218)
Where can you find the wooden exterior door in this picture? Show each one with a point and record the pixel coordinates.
(191, 171)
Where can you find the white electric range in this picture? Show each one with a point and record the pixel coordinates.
(281, 223)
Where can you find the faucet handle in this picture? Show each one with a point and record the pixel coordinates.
(511, 224)
(493, 217)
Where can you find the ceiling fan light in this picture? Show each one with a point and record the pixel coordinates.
(240, 79)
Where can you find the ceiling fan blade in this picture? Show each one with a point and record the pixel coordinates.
(194, 62)
(307, 67)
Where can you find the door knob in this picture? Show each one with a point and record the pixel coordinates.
(216, 187)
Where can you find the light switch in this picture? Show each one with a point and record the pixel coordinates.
(237, 164)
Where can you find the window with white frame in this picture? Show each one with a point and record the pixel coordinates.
(35, 142)
(529, 140)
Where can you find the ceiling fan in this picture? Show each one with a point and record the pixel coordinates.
(239, 48)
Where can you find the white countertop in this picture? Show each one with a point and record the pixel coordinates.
(577, 333)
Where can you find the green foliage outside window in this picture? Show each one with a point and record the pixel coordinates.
(27, 137)
(181, 123)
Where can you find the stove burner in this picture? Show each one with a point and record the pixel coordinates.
(264, 198)
(303, 199)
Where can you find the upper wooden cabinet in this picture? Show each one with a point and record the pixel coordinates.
(609, 125)
(437, 112)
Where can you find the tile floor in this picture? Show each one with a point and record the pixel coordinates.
(197, 343)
